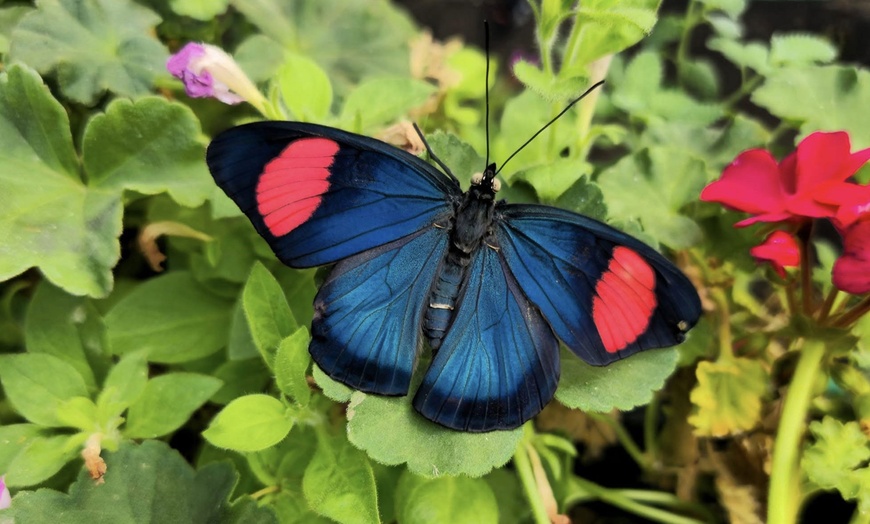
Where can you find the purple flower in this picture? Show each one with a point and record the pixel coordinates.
(5, 497)
(208, 71)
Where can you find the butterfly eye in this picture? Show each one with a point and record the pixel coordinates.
(496, 185)
(476, 179)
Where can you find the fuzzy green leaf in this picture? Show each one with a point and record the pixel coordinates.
(305, 88)
(50, 219)
(727, 398)
(606, 27)
(250, 423)
(838, 459)
(392, 432)
(150, 146)
(38, 384)
(9, 17)
(41, 458)
(92, 45)
(204, 10)
(331, 388)
(166, 490)
(584, 197)
(552, 180)
(167, 402)
(798, 49)
(732, 7)
(291, 363)
(751, 55)
(269, 317)
(13, 439)
(380, 101)
(339, 483)
(123, 385)
(172, 317)
(457, 500)
(622, 385)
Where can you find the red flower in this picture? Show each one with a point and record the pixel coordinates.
(852, 201)
(780, 249)
(773, 192)
(852, 269)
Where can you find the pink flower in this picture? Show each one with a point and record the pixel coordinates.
(852, 269)
(780, 249)
(5, 497)
(789, 190)
(852, 201)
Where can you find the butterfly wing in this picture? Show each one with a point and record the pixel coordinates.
(367, 315)
(605, 294)
(318, 194)
(498, 364)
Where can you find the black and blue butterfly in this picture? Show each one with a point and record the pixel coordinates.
(492, 287)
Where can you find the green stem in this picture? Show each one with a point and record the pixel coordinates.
(847, 318)
(620, 500)
(726, 350)
(624, 438)
(785, 474)
(527, 478)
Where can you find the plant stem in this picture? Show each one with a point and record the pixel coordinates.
(825, 310)
(527, 478)
(624, 438)
(620, 500)
(726, 349)
(806, 273)
(853, 314)
(785, 474)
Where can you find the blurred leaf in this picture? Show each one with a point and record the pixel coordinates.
(9, 17)
(584, 197)
(166, 490)
(269, 317)
(623, 385)
(801, 49)
(13, 439)
(171, 317)
(37, 385)
(339, 483)
(838, 459)
(291, 363)
(41, 458)
(150, 146)
(605, 27)
(305, 88)
(828, 98)
(456, 500)
(80, 413)
(392, 432)
(750, 55)
(700, 78)
(379, 101)
(552, 180)
(124, 384)
(50, 219)
(511, 501)
(250, 423)
(241, 377)
(727, 398)
(167, 402)
(95, 46)
(547, 86)
(732, 7)
(204, 10)
(260, 57)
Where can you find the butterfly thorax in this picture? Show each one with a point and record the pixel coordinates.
(470, 228)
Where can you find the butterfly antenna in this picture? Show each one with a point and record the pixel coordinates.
(486, 87)
(569, 106)
(433, 156)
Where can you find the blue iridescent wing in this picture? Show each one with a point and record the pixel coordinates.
(605, 294)
(319, 194)
(367, 315)
(498, 364)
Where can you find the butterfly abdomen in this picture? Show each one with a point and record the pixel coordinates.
(442, 301)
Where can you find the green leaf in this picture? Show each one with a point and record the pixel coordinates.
(250, 423)
(124, 384)
(167, 402)
(623, 385)
(800, 49)
(171, 317)
(512, 505)
(727, 398)
(584, 197)
(41, 458)
(94, 46)
(751, 55)
(241, 344)
(459, 156)
(240, 377)
(9, 17)
(37, 385)
(553, 179)
(331, 388)
(356, 45)
(150, 146)
(13, 439)
(380, 101)
(339, 483)
(269, 317)
(733, 8)
(392, 433)
(305, 88)
(52, 326)
(456, 500)
(166, 490)
(291, 364)
(838, 459)
(829, 96)
(50, 220)
(605, 27)
(204, 10)
(79, 413)
(666, 179)
(547, 86)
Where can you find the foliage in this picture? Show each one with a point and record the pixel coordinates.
(105, 357)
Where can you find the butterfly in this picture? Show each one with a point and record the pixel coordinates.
(491, 287)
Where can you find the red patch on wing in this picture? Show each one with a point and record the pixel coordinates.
(293, 183)
(624, 299)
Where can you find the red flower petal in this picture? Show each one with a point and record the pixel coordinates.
(751, 183)
(852, 201)
(780, 249)
(852, 269)
(821, 159)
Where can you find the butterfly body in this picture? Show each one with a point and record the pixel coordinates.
(491, 286)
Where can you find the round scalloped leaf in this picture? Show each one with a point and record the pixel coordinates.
(623, 385)
(392, 432)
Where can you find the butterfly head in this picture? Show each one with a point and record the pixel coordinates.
(486, 182)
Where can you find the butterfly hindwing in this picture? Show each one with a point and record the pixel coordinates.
(605, 294)
(498, 364)
(368, 312)
(318, 194)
